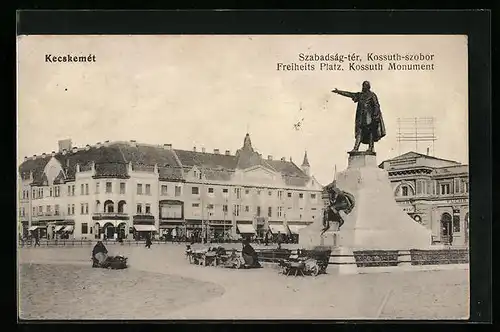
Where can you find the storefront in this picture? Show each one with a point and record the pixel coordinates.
(142, 231)
(110, 226)
(170, 228)
(278, 230)
(39, 231)
(245, 230)
(61, 230)
(143, 226)
(219, 230)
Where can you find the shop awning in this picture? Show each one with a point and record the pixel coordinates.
(278, 228)
(294, 229)
(69, 228)
(246, 228)
(145, 228)
(32, 228)
(58, 228)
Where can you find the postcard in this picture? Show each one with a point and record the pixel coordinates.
(172, 177)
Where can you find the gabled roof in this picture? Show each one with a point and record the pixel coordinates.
(112, 160)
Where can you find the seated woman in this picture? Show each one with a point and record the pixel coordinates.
(100, 253)
(249, 254)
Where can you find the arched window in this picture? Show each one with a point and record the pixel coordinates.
(109, 206)
(122, 206)
(404, 190)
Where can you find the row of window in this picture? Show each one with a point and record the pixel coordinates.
(145, 189)
(423, 187)
(238, 191)
(237, 209)
(177, 190)
(146, 210)
(55, 191)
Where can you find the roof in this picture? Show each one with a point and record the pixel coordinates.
(413, 154)
(451, 170)
(112, 160)
(204, 159)
(170, 173)
(306, 161)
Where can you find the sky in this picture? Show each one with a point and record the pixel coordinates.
(209, 91)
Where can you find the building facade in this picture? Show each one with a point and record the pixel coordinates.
(126, 189)
(434, 192)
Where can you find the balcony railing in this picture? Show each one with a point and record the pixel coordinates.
(50, 216)
(110, 215)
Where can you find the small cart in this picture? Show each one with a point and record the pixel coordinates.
(306, 262)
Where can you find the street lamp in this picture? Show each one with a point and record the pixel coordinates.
(224, 224)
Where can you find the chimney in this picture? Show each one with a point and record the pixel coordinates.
(98, 145)
(106, 143)
(25, 158)
(194, 148)
(167, 146)
(74, 150)
(228, 153)
(427, 150)
(53, 153)
(269, 157)
(87, 147)
(131, 141)
(283, 159)
(43, 155)
(64, 151)
(64, 144)
(34, 157)
(203, 150)
(291, 160)
(216, 151)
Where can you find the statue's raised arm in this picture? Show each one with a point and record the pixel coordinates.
(369, 126)
(352, 95)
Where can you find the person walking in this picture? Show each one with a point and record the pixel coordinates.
(279, 240)
(37, 239)
(148, 241)
(174, 234)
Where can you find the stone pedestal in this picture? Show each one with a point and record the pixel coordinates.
(311, 237)
(376, 222)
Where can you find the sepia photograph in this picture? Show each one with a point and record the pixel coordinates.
(242, 177)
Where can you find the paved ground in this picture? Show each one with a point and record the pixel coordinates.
(79, 292)
(240, 294)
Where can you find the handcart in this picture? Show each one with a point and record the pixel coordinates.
(306, 262)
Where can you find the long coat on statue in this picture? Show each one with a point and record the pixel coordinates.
(368, 117)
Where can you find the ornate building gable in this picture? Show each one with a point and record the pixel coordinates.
(195, 174)
(313, 184)
(258, 175)
(247, 157)
(53, 170)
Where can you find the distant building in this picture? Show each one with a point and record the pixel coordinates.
(434, 192)
(126, 189)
